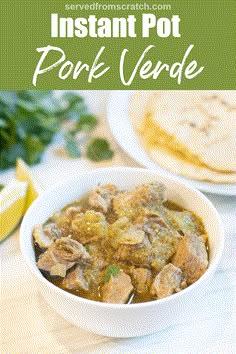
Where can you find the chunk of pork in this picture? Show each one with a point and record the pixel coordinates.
(123, 232)
(169, 281)
(64, 252)
(141, 279)
(45, 235)
(138, 255)
(191, 257)
(100, 198)
(118, 289)
(75, 280)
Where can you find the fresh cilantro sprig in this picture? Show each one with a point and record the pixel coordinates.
(29, 121)
(112, 270)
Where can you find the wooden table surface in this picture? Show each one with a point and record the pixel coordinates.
(29, 325)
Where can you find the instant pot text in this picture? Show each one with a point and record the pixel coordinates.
(116, 27)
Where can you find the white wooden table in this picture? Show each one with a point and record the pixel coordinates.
(29, 325)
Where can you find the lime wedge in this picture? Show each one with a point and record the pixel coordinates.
(12, 207)
(24, 174)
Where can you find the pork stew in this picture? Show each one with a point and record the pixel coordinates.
(122, 246)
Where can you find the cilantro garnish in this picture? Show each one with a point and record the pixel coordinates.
(112, 270)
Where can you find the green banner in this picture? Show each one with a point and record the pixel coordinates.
(63, 44)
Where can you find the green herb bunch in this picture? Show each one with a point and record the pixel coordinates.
(29, 121)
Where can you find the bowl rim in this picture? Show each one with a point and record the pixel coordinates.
(32, 265)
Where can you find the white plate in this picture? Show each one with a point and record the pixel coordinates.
(121, 127)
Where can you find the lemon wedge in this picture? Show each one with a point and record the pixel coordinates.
(12, 207)
(24, 174)
(16, 197)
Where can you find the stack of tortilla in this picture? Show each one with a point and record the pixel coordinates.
(190, 133)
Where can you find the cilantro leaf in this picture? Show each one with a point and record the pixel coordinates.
(86, 122)
(1, 187)
(112, 270)
(8, 100)
(71, 146)
(34, 148)
(99, 150)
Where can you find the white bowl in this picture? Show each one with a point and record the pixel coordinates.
(111, 319)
